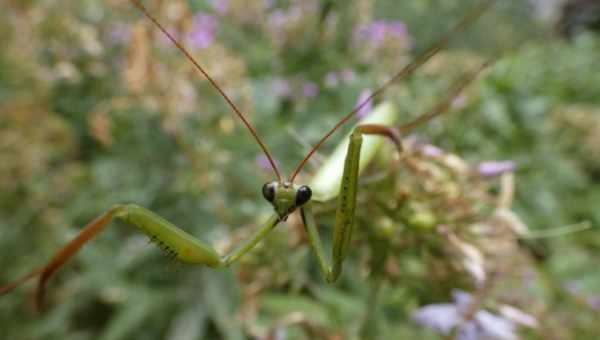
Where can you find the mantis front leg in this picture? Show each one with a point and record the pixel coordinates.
(175, 241)
(346, 203)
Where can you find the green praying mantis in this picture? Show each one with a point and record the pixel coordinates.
(337, 178)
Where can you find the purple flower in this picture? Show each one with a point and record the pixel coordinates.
(277, 19)
(495, 168)
(445, 317)
(331, 80)
(431, 151)
(491, 326)
(219, 6)
(263, 162)
(276, 24)
(120, 33)
(397, 29)
(281, 88)
(441, 317)
(459, 101)
(310, 90)
(518, 316)
(594, 302)
(347, 75)
(462, 299)
(367, 107)
(204, 28)
(468, 331)
(376, 32)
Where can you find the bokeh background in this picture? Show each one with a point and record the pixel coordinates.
(98, 108)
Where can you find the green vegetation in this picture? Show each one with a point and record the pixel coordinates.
(97, 108)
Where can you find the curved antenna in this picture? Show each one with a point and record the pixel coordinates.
(445, 103)
(183, 50)
(404, 72)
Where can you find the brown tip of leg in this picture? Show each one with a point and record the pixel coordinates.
(88, 232)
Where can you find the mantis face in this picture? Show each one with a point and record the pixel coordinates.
(286, 197)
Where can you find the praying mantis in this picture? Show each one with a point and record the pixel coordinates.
(336, 179)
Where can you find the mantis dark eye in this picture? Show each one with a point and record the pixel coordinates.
(303, 195)
(268, 191)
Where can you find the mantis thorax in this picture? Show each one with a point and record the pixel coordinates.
(286, 197)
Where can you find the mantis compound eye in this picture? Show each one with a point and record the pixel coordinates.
(268, 191)
(303, 195)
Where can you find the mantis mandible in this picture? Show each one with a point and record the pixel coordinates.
(283, 194)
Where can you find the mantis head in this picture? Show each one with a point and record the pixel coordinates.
(286, 197)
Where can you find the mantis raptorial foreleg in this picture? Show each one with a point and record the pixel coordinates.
(173, 240)
(346, 202)
(183, 246)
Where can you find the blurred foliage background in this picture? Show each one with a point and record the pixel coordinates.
(97, 108)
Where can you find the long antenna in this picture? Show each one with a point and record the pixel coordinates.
(187, 54)
(406, 71)
(443, 105)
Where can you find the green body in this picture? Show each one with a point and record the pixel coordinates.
(338, 177)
